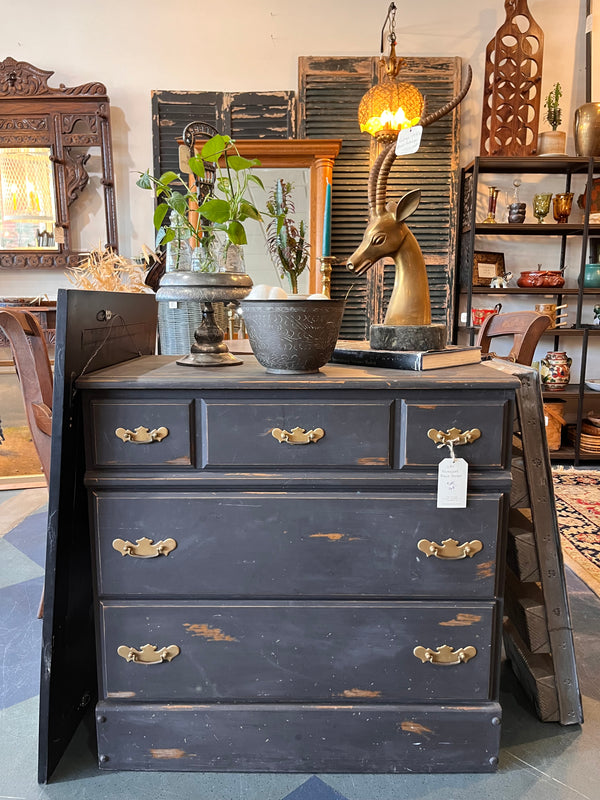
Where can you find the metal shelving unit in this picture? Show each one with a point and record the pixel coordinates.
(470, 229)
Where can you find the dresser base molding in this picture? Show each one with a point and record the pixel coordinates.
(298, 738)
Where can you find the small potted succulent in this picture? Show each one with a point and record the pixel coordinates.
(553, 142)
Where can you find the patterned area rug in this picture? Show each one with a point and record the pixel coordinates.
(578, 509)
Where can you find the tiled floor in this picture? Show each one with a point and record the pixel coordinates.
(537, 762)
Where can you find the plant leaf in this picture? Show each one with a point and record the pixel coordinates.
(196, 164)
(256, 180)
(215, 147)
(159, 215)
(144, 181)
(236, 233)
(215, 210)
(238, 163)
(248, 210)
(169, 177)
(163, 236)
(179, 204)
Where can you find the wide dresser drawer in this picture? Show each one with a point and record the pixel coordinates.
(298, 651)
(218, 544)
(303, 738)
(296, 434)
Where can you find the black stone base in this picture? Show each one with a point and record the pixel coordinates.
(408, 337)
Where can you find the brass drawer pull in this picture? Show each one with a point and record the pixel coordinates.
(148, 654)
(445, 654)
(453, 436)
(144, 548)
(298, 435)
(142, 435)
(449, 548)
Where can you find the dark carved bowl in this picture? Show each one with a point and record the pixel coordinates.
(293, 336)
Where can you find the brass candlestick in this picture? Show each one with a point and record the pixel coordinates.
(327, 263)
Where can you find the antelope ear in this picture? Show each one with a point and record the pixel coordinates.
(408, 205)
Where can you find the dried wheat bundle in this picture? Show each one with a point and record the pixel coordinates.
(104, 270)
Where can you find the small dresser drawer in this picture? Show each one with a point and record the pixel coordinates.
(284, 545)
(297, 651)
(141, 434)
(491, 418)
(344, 434)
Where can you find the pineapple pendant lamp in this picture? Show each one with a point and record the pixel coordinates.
(390, 105)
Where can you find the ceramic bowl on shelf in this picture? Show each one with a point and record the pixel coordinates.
(538, 278)
(593, 384)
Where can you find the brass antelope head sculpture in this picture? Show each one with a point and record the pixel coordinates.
(388, 235)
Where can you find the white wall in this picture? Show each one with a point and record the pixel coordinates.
(134, 46)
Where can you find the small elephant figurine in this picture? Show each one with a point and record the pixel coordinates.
(597, 315)
(501, 281)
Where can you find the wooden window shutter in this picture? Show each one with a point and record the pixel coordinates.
(243, 115)
(330, 92)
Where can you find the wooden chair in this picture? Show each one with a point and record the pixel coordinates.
(28, 346)
(30, 354)
(526, 328)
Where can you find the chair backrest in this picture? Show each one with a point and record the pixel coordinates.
(526, 328)
(28, 346)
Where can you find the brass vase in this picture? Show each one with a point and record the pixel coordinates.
(587, 130)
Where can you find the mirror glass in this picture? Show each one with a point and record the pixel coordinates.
(27, 199)
(260, 265)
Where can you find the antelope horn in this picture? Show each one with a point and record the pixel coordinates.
(381, 167)
(389, 156)
(373, 176)
(441, 112)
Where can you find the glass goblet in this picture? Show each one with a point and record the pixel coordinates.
(541, 205)
(562, 205)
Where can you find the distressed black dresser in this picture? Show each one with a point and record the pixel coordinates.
(275, 586)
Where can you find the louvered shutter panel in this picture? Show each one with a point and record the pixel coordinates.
(262, 115)
(330, 92)
(171, 112)
(243, 115)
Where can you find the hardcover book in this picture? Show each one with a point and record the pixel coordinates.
(359, 352)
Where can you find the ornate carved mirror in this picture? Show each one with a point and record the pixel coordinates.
(46, 135)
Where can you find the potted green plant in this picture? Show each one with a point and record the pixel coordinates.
(226, 208)
(286, 242)
(552, 142)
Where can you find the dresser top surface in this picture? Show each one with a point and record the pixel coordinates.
(162, 372)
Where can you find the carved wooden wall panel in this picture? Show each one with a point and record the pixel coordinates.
(511, 92)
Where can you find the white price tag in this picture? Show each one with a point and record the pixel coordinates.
(409, 140)
(59, 235)
(452, 483)
(172, 303)
(589, 23)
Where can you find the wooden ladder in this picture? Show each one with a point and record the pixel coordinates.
(538, 636)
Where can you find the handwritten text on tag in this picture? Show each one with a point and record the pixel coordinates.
(452, 483)
(409, 140)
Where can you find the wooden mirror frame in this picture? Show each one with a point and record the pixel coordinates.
(318, 155)
(68, 120)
